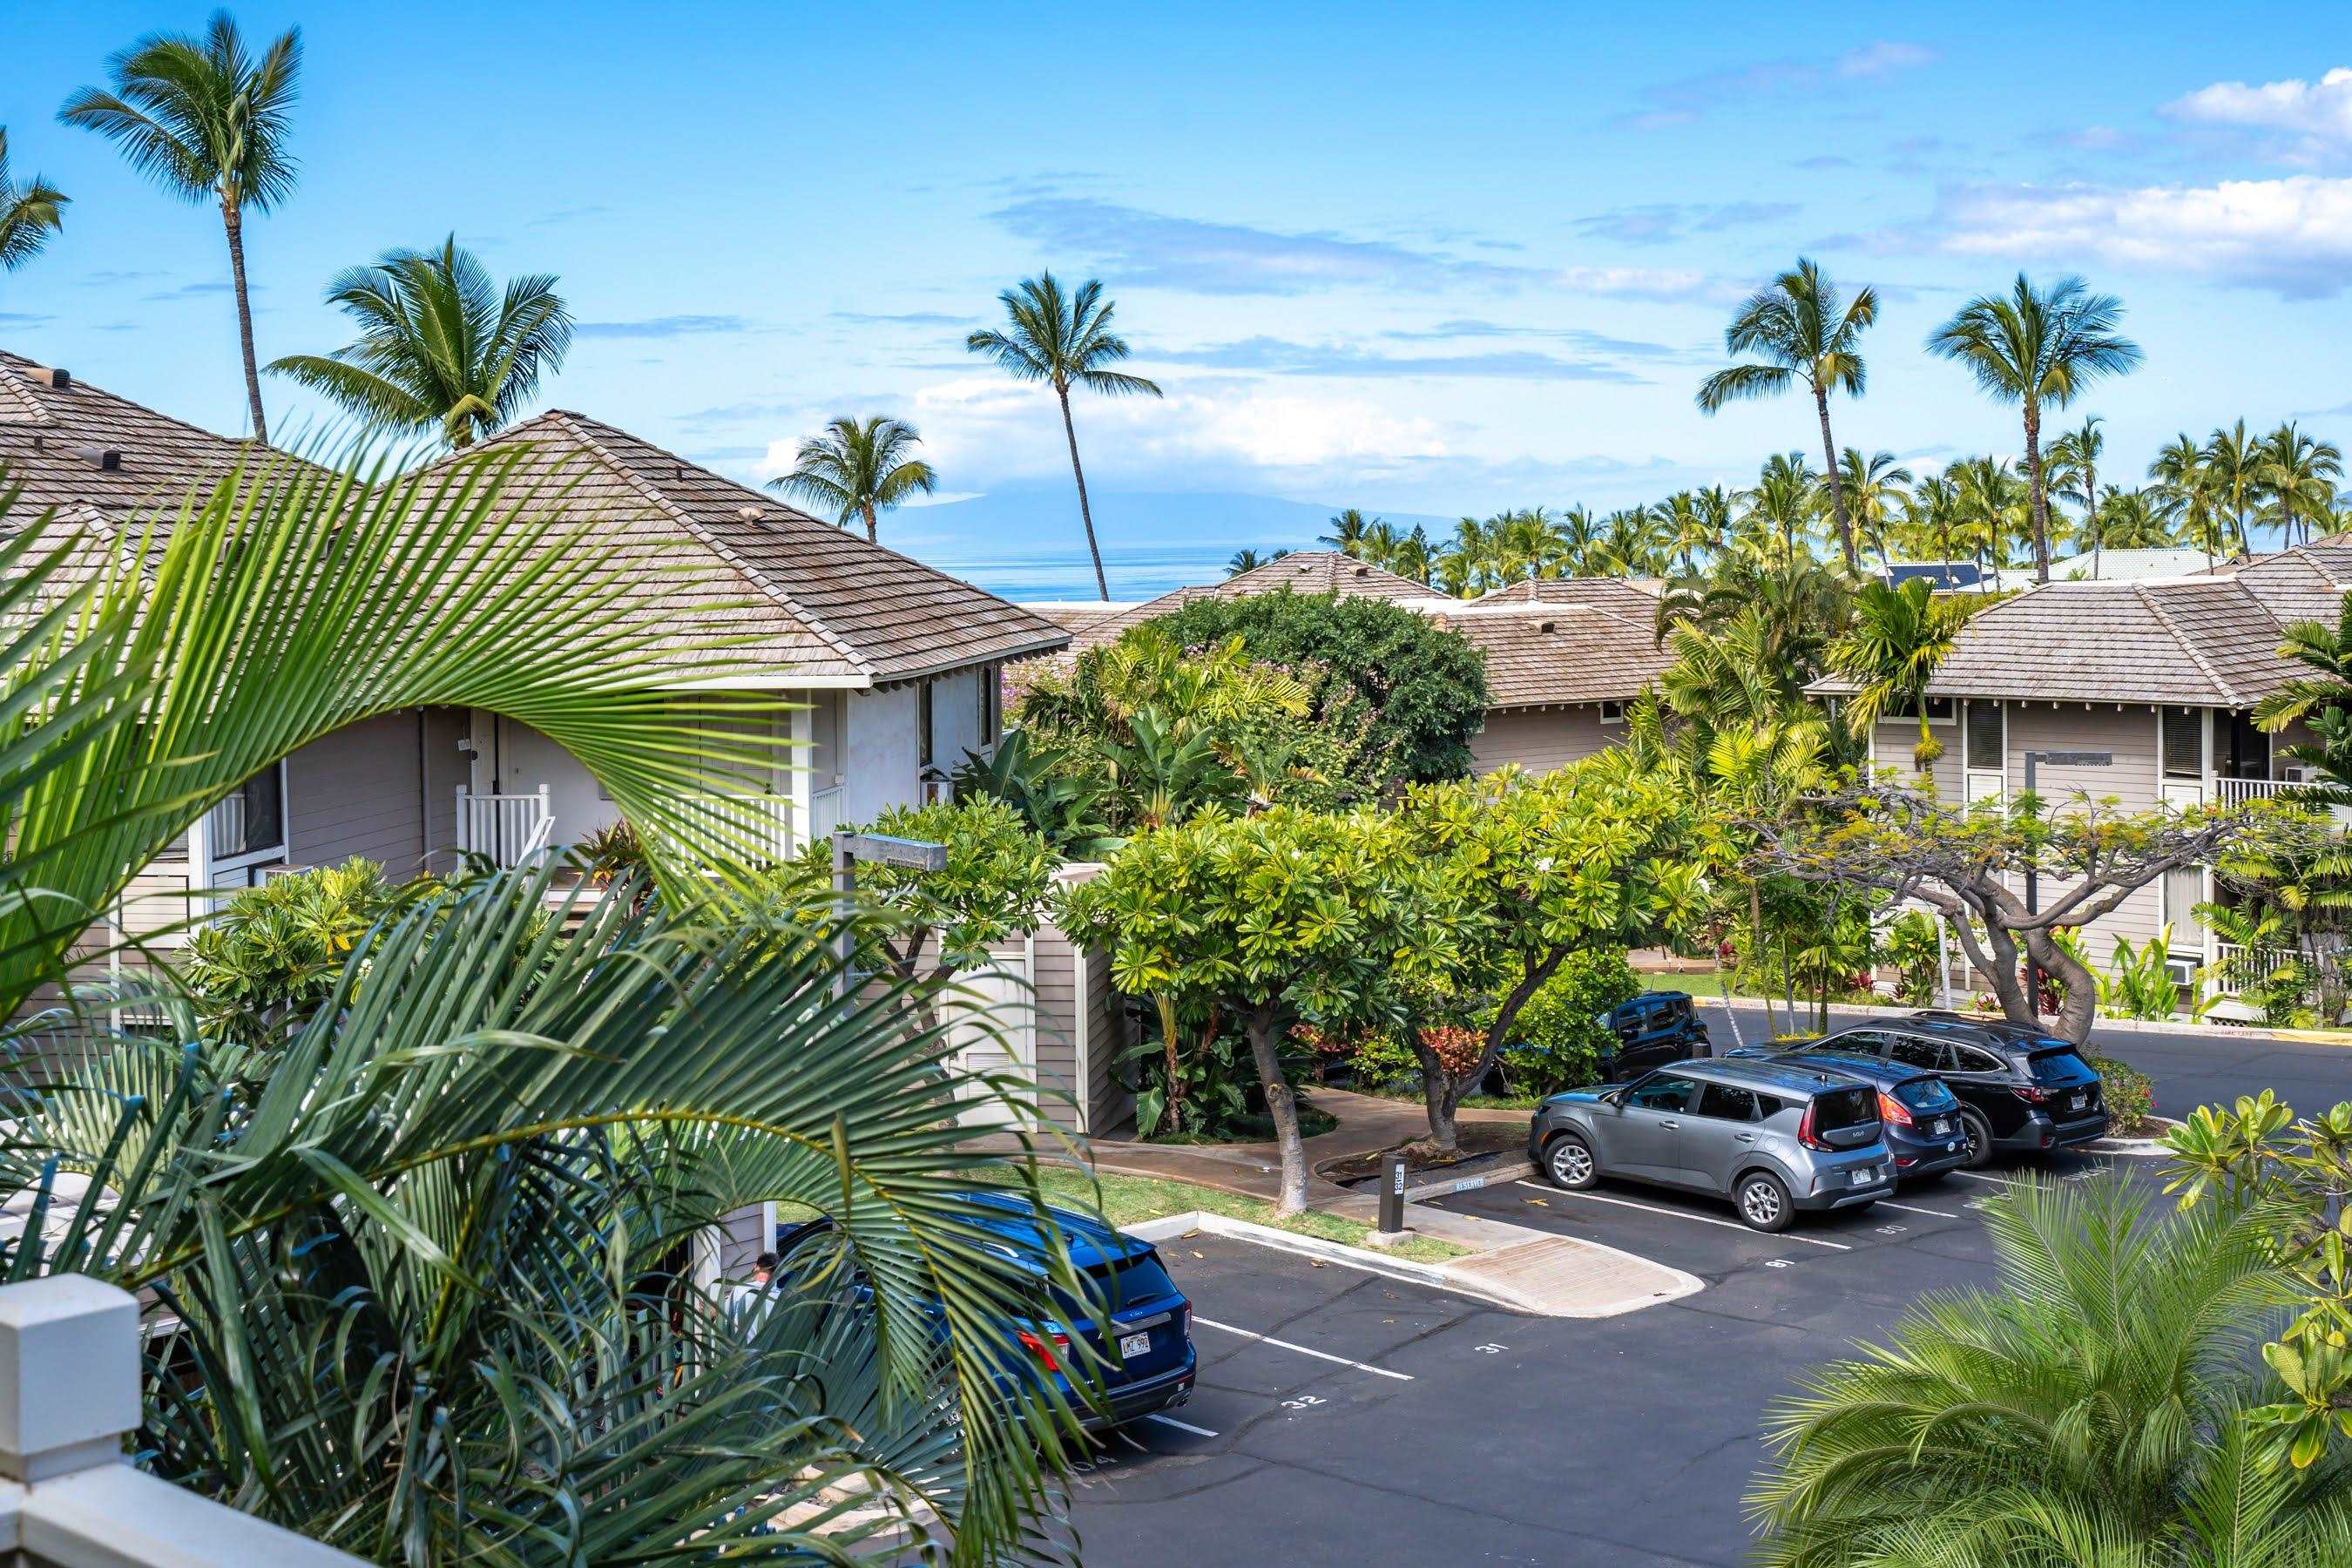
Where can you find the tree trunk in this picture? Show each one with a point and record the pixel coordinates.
(871, 537)
(234, 222)
(1086, 513)
(1837, 485)
(2081, 1007)
(2091, 514)
(1755, 947)
(2038, 496)
(1282, 1105)
(1440, 1096)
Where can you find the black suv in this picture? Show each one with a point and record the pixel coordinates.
(1652, 1029)
(2019, 1089)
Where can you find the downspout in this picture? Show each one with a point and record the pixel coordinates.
(423, 799)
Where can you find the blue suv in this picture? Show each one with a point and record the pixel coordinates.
(1133, 1330)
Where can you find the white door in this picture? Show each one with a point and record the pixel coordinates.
(992, 1017)
(522, 759)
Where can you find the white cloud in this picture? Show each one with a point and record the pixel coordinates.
(2293, 235)
(2320, 112)
(1885, 55)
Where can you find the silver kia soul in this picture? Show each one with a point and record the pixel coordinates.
(1770, 1137)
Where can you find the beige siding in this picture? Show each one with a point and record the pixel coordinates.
(1541, 739)
(1890, 746)
(2134, 780)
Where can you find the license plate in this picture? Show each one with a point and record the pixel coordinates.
(1943, 1125)
(1134, 1344)
(1866, 1176)
(2076, 1101)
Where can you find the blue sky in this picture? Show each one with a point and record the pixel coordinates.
(1407, 257)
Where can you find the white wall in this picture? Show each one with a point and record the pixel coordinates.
(956, 717)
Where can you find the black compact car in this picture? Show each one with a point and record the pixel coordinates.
(2020, 1090)
(1652, 1029)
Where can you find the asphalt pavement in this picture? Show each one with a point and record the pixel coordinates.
(1342, 1417)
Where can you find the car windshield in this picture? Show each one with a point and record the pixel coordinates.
(1925, 1094)
(2059, 1066)
(1837, 1108)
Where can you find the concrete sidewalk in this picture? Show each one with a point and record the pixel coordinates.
(1533, 1270)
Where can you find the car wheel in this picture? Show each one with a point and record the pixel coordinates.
(1764, 1202)
(1979, 1136)
(1568, 1162)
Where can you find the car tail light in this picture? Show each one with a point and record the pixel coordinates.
(1805, 1133)
(1047, 1348)
(1892, 1109)
(2032, 1095)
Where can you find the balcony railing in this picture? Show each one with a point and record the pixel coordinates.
(2238, 791)
(759, 825)
(505, 829)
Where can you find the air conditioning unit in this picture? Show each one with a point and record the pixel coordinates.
(2183, 971)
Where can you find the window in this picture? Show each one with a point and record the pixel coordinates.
(1914, 1052)
(1661, 1091)
(1611, 712)
(1967, 1059)
(1985, 735)
(2184, 743)
(1940, 710)
(1838, 1108)
(923, 724)
(1857, 1043)
(988, 709)
(1728, 1101)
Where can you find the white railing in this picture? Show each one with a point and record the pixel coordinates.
(507, 829)
(2238, 791)
(767, 819)
(68, 1494)
(2236, 967)
(824, 812)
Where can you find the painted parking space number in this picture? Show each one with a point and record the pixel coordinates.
(1492, 1349)
(1304, 1402)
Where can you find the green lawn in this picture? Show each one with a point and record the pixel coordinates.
(1126, 1200)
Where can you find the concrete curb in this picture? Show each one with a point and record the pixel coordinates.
(2122, 1025)
(1436, 1276)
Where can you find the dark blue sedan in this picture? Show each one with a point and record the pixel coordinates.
(1133, 1328)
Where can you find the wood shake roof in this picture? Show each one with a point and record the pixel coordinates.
(95, 458)
(1594, 643)
(2208, 640)
(1301, 571)
(1616, 594)
(807, 599)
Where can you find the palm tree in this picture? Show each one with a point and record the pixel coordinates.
(1065, 341)
(1348, 532)
(1249, 559)
(1783, 505)
(2038, 350)
(1804, 331)
(1900, 633)
(1874, 488)
(2297, 477)
(2074, 470)
(858, 468)
(2180, 469)
(2232, 464)
(1993, 509)
(2093, 1408)
(207, 121)
(29, 214)
(1932, 523)
(1688, 528)
(1582, 542)
(2133, 519)
(440, 347)
(479, 1167)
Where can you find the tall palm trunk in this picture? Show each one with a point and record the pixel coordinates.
(1756, 948)
(2038, 496)
(233, 220)
(868, 507)
(1086, 513)
(2090, 515)
(1837, 485)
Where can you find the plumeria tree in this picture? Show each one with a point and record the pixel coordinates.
(1277, 918)
(1598, 855)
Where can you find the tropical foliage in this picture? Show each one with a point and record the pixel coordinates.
(31, 211)
(2095, 1404)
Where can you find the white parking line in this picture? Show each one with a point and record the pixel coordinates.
(1906, 1209)
(1302, 1349)
(1182, 1426)
(1980, 1176)
(1701, 1218)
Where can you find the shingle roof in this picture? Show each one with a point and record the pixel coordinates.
(50, 436)
(1612, 594)
(1302, 572)
(1540, 654)
(817, 600)
(2205, 641)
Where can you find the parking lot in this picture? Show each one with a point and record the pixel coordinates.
(1343, 1416)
